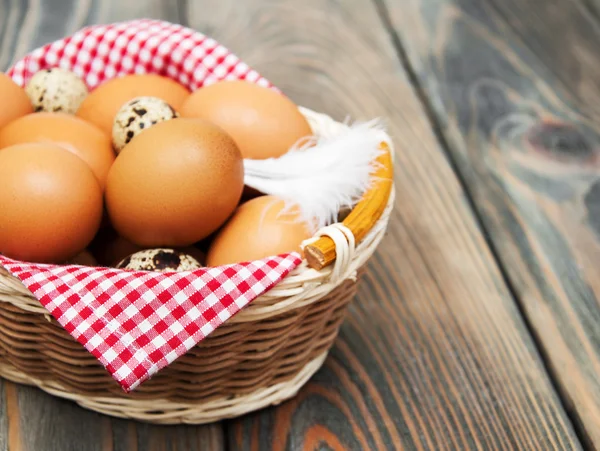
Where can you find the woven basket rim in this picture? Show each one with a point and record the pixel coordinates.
(162, 411)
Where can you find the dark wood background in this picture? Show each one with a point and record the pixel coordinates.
(478, 323)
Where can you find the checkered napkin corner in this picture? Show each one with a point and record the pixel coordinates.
(100, 52)
(137, 322)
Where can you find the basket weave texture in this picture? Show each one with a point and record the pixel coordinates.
(259, 357)
(236, 361)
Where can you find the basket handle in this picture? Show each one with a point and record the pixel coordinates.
(363, 217)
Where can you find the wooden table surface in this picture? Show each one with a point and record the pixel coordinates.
(478, 323)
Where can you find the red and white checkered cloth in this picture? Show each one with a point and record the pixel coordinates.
(136, 323)
(100, 52)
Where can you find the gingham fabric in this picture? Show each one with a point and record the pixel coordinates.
(100, 52)
(136, 323)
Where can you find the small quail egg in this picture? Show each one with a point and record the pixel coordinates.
(56, 90)
(160, 260)
(138, 115)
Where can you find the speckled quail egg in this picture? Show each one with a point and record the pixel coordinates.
(56, 90)
(160, 260)
(138, 115)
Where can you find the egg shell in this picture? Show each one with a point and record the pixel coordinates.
(139, 115)
(160, 260)
(55, 90)
(50, 201)
(15, 102)
(102, 104)
(259, 228)
(196, 252)
(69, 132)
(263, 123)
(174, 184)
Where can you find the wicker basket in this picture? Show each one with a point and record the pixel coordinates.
(259, 357)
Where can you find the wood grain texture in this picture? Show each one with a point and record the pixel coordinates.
(3, 417)
(27, 25)
(38, 422)
(514, 85)
(433, 354)
(593, 7)
(31, 420)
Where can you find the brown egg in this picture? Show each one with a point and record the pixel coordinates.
(69, 132)
(259, 228)
(50, 201)
(102, 104)
(15, 102)
(174, 184)
(263, 123)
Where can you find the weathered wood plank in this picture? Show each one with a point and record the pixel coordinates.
(39, 421)
(593, 6)
(31, 420)
(3, 418)
(434, 354)
(129, 435)
(514, 85)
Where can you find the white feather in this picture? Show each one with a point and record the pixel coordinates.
(323, 175)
